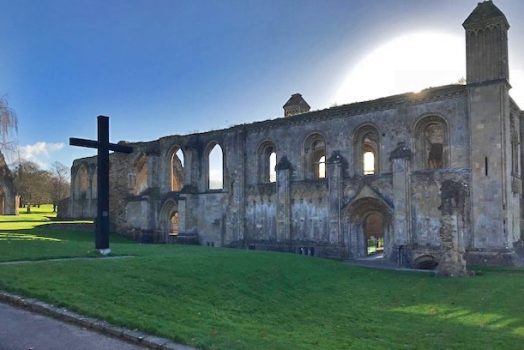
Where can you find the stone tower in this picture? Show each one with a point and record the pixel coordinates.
(296, 105)
(494, 205)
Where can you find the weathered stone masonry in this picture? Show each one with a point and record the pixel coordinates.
(8, 198)
(320, 196)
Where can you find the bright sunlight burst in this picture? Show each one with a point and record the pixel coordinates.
(410, 62)
(413, 62)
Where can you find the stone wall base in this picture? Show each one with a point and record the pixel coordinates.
(491, 258)
(323, 250)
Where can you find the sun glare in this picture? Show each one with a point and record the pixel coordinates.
(407, 63)
(411, 63)
(516, 78)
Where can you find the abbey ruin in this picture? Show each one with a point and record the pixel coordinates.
(343, 181)
(8, 197)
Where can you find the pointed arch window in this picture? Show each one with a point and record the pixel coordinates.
(215, 162)
(176, 168)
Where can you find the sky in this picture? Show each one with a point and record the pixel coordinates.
(166, 67)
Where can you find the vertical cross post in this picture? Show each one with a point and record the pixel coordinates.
(102, 209)
(102, 222)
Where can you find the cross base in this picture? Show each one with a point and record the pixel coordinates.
(104, 252)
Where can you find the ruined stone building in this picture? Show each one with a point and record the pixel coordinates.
(8, 197)
(343, 181)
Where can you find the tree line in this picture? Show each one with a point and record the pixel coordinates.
(37, 186)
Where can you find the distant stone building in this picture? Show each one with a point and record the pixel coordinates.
(8, 197)
(345, 181)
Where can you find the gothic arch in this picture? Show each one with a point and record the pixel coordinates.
(366, 149)
(176, 163)
(431, 142)
(214, 166)
(314, 155)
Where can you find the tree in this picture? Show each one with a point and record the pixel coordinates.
(8, 129)
(33, 184)
(59, 183)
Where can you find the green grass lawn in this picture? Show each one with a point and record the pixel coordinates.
(236, 299)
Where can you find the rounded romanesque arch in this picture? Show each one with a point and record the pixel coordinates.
(314, 156)
(431, 142)
(266, 161)
(425, 262)
(368, 221)
(366, 148)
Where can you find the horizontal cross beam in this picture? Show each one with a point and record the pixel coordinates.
(73, 141)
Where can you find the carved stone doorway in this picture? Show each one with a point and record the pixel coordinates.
(368, 228)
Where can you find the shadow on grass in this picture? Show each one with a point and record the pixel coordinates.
(40, 240)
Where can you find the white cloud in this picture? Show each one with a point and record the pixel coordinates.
(39, 152)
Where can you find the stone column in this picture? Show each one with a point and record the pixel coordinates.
(181, 215)
(284, 170)
(402, 240)
(334, 175)
(453, 199)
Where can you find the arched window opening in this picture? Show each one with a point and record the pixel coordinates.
(266, 162)
(315, 154)
(366, 145)
(177, 170)
(216, 168)
(272, 165)
(431, 140)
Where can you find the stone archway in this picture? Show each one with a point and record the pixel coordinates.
(368, 220)
(169, 220)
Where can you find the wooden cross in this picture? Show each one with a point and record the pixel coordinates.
(102, 210)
